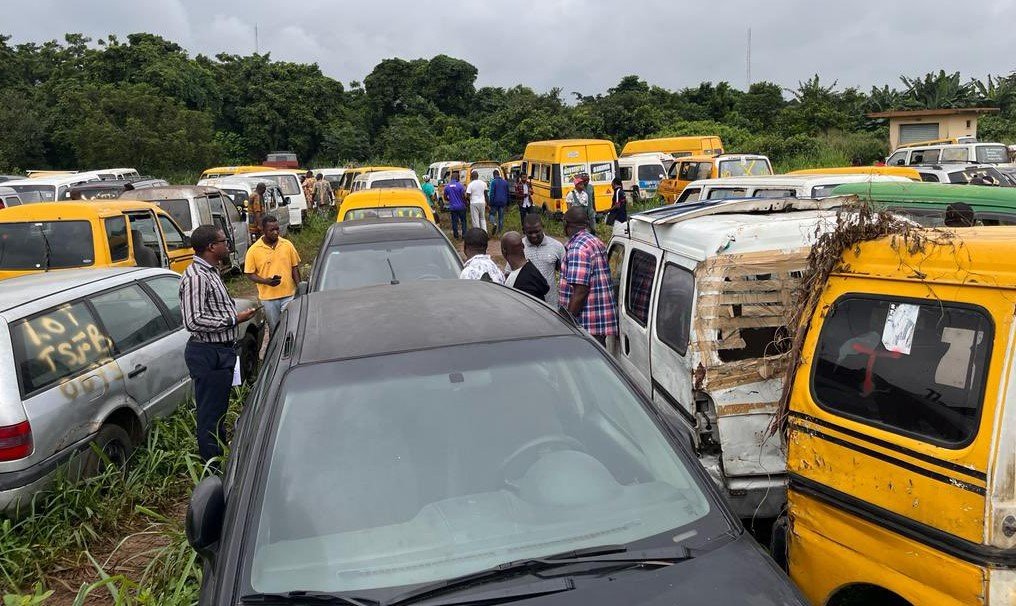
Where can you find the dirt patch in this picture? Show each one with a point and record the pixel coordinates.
(126, 555)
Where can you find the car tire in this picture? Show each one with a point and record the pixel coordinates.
(114, 442)
(248, 352)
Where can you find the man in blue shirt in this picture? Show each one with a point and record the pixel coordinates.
(498, 195)
(455, 196)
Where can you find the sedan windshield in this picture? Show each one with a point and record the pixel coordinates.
(46, 245)
(421, 466)
(373, 263)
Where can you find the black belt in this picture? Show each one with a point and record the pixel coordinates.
(229, 344)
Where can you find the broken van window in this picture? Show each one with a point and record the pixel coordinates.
(921, 373)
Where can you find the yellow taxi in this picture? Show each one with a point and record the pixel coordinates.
(901, 433)
(385, 202)
(552, 165)
(62, 235)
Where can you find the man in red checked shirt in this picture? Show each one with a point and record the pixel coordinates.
(585, 278)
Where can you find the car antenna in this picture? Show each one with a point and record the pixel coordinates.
(392, 269)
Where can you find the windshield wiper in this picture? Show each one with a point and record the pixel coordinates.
(306, 597)
(604, 554)
(42, 232)
(395, 280)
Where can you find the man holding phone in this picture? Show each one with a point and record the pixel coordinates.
(271, 263)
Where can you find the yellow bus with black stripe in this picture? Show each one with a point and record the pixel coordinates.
(901, 437)
(552, 165)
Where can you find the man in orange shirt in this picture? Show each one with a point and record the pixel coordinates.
(272, 263)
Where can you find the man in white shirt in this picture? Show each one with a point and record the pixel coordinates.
(544, 252)
(479, 265)
(478, 207)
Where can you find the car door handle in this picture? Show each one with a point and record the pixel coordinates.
(627, 346)
(137, 370)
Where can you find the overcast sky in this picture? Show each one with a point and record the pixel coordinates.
(578, 45)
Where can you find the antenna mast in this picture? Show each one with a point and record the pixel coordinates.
(257, 46)
(747, 61)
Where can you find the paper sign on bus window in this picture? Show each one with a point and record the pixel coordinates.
(900, 323)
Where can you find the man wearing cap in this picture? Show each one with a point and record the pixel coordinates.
(579, 197)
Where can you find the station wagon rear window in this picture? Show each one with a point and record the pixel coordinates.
(908, 366)
(56, 345)
(46, 245)
(413, 212)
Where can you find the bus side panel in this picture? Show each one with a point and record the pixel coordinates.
(830, 549)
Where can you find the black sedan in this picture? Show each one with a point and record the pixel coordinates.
(458, 442)
(382, 251)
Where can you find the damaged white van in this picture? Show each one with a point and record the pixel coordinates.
(704, 290)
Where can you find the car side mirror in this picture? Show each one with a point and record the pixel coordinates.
(205, 515)
(285, 201)
(301, 288)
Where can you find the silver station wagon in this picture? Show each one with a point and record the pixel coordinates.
(86, 356)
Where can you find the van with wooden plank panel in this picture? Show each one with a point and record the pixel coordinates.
(901, 425)
(703, 292)
(551, 166)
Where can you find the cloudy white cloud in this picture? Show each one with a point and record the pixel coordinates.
(577, 45)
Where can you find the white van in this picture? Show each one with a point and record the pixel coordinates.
(774, 186)
(399, 179)
(49, 189)
(241, 187)
(289, 182)
(641, 174)
(437, 170)
(981, 153)
(117, 174)
(703, 293)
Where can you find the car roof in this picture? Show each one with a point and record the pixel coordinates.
(395, 229)
(385, 195)
(929, 192)
(422, 314)
(172, 192)
(795, 180)
(387, 174)
(707, 228)
(33, 287)
(957, 256)
(73, 209)
(57, 180)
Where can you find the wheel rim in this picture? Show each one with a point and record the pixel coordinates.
(116, 452)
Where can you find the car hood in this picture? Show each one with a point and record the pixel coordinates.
(739, 572)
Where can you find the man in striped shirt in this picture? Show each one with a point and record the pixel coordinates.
(210, 315)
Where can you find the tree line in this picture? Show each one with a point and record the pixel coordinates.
(146, 102)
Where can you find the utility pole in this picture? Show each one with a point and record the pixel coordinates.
(747, 61)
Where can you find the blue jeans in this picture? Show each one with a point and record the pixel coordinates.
(458, 218)
(497, 217)
(211, 368)
(274, 309)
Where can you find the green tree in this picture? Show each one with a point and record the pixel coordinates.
(761, 105)
(941, 90)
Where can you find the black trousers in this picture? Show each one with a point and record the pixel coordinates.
(211, 369)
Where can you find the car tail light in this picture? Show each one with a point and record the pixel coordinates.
(15, 441)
